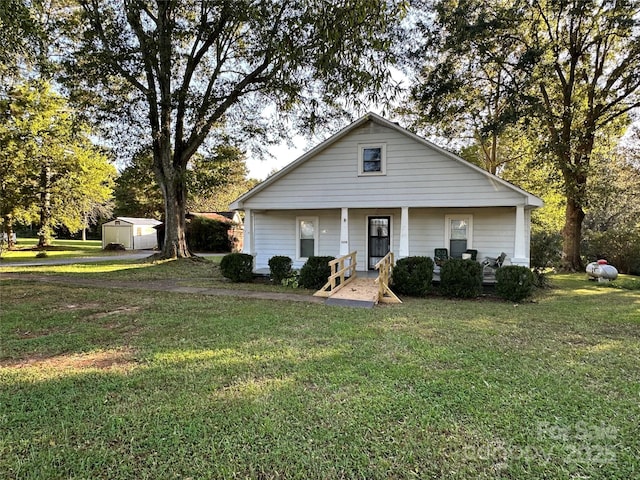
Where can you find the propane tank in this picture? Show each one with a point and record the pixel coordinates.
(601, 271)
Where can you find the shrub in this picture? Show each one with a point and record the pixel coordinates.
(546, 249)
(315, 273)
(619, 246)
(237, 267)
(461, 278)
(540, 278)
(206, 235)
(280, 268)
(514, 282)
(412, 276)
(42, 254)
(292, 281)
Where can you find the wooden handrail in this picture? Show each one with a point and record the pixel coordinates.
(338, 271)
(384, 267)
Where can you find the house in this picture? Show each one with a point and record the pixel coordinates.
(132, 233)
(375, 187)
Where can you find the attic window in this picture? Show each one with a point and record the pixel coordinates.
(373, 159)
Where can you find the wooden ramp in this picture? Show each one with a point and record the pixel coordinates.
(360, 292)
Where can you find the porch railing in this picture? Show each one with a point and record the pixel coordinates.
(384, 267)
(343, 271)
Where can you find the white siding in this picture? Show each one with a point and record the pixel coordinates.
(417, 176)
(275, 232)
(493, 230)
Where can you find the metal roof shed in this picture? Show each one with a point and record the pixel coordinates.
(133, 233)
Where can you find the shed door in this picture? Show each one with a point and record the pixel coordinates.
(379, 239)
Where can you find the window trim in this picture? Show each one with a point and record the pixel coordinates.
(316, 232)
(447, 228)
(383, 159)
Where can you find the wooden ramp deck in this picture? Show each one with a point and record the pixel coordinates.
(361, 292)
(345, 288)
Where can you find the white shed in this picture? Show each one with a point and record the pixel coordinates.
(133, 233)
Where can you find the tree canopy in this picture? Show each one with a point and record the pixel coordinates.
(196, 71)
(51, 173)
(572, 65)
(213, 181)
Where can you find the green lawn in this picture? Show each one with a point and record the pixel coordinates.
(114, 384)
(26, 249)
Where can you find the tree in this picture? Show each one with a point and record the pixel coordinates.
(18, 33)
(468, 84)
(573, 64)
(217, 178)
(587, 75)
(136, 194)
(198, 69)
(612, 219)
(213, 181)
(48, 163)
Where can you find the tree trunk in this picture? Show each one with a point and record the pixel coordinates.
(44, 234)
(85, 225)
(175, 242)
(571, 236)
(8, 230)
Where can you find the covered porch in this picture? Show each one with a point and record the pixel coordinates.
(374, 232)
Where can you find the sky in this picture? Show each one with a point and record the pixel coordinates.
(283, 155)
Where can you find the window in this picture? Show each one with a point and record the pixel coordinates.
(307, 237)
(373, 159)
(458, 234)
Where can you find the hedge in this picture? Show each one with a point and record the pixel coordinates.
(315, 272)
(461, 278)
(237, 267)
(280, 268)
(514, 282)
(412, 276)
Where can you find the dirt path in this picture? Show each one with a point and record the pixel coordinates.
(159, 286)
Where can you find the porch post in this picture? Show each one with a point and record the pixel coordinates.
(519, 248)
(247, 246)
(344, 232)
(404, 233)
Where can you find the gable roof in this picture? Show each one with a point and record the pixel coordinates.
(225, 217)
(138, 221)
(238, 204)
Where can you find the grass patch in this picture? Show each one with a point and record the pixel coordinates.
(131, 384)
(26, 249)
(205, 273)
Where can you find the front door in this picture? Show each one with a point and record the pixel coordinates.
(379, 239)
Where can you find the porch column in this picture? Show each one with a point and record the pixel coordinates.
(344, 232)
(519, 248)
(404, 233)
(248, 241)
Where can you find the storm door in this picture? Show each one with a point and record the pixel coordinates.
(379, 239)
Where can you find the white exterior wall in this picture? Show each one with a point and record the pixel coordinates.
(275, 232)
(144, 237)
(415, 176)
